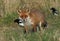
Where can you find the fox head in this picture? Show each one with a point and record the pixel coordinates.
(23, 14)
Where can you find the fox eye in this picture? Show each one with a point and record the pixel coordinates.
(21, 16)
(26, 16)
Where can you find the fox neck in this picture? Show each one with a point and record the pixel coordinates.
(28, 21)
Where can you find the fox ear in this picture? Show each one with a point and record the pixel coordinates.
(18, 11)
(28, 11)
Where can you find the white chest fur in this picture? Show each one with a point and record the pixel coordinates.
(29, 21)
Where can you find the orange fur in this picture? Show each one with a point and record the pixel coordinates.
(34, 17)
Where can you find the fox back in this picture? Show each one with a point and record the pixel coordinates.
(33, 17)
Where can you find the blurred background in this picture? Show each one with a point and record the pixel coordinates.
(10, 31)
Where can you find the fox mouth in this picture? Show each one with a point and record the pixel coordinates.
(26, 21)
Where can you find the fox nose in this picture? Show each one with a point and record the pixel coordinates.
(24, 20)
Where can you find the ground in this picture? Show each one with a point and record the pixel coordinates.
(10, 31)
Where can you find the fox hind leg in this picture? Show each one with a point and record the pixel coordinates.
(40, 26)
(34, 28)
(44, 25)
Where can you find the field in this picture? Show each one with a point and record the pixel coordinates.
(10, 31)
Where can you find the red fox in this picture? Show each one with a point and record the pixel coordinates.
(33, 18)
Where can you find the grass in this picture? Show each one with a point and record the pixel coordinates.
(10, 31)
(8, 19)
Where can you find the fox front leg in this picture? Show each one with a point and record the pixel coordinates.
(25, 29)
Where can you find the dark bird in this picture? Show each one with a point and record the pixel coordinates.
(19, 22)
(54, 11)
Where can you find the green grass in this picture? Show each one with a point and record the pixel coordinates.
(8, 19)
(10, 31)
